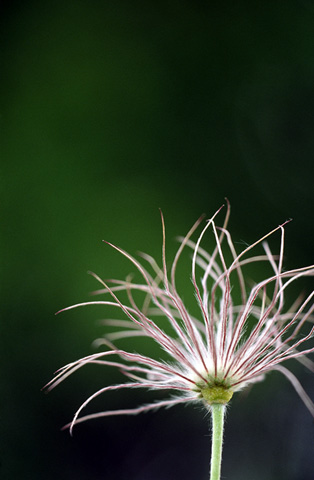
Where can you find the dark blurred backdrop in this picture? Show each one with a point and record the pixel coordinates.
(109, 110)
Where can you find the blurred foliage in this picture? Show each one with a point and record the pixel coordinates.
(108, 111)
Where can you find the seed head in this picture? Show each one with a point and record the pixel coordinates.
(235, 341)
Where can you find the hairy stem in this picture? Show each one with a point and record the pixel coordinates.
(217, 412)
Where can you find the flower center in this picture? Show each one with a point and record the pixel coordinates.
(216, 394)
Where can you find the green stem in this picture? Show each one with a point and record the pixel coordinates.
(217, 411)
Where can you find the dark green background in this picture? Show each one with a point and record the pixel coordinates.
(110, 110)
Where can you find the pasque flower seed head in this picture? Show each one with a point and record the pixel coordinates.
(241, 334)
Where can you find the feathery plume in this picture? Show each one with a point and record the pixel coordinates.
(237, 339)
